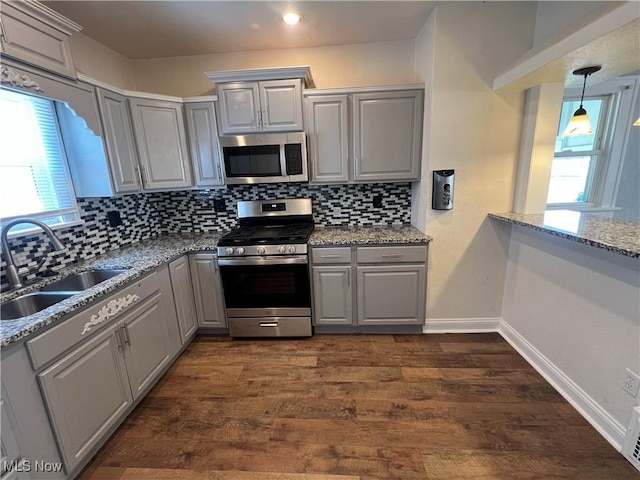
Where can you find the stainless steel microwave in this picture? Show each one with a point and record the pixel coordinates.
(271, 158)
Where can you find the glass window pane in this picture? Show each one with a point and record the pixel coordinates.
(34, 179)
(568, 179)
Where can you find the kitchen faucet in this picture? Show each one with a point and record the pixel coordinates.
(13, 276)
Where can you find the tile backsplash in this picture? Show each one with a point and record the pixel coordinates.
(146, 215)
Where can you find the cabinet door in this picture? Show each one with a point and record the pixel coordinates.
(162, 147)
(86, 392)
(387, 132)
(207, 290)
(27, 39)
(146, 344)
(10, 443)
(121, 149)
(391, 295)
(183, 297)
(203, 144)
(281, 105)
(332, 295)
(239, 107)
(328, 132)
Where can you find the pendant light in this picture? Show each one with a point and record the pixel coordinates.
(637, 123)
(579, 123)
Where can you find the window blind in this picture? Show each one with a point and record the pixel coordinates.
(34, 178)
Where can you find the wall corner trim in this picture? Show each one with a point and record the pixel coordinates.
(597, 416)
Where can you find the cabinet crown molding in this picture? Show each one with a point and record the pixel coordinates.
(258, 74)
(369, 89)
(46, 15)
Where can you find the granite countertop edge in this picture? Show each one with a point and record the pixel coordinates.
(141, 258)
(617, 230)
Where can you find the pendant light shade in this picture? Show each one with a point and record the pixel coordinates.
(579, 123)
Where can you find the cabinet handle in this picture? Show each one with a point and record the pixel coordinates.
(125, 333)
(219, 172)
(119, 340)
(139, 176)
(268, 324)
(348, 278)
(333, 255)
(259, 118)
(392, 255)
(144, 176)
(3, 33)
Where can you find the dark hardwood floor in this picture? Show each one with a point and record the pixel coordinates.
(364, 407)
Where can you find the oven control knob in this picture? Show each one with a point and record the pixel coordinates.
(281, 250)
(229, 251)
(291, 249)
(240, 251)
(261, 250)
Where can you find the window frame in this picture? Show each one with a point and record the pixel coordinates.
(74, 210)
(611, 142)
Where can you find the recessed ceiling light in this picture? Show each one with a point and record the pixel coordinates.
(291, 18)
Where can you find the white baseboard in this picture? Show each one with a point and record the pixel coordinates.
(597, 416)
(461, 325)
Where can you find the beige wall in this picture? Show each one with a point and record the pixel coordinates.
(101, 63)
(476, 132)
(384, 63)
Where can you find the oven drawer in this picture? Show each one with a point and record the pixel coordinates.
(270, 327)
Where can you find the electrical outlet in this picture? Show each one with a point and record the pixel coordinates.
(114, 218)
(631, 383)
(219, 205)
(377, 201)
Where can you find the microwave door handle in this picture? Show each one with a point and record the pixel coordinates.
(283, 162)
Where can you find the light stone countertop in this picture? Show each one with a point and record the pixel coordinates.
(601, 232)
(138, 259)
(143, 257)
(367, 235)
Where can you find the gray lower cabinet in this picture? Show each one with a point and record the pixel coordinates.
(12, 461)
(391, 295)
(332, 295)
(87, 392)
(207, 290)
(94, 366)
(369, 285)
(183, 297)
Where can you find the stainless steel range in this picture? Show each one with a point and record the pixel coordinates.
(265, 269)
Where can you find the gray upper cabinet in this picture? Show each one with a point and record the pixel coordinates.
(203, 144)
(35, 34)
(364, 135)
(207, 290)
(266, 106)
(328, 138)
(387, 132)
(160, 136)
(121, 148)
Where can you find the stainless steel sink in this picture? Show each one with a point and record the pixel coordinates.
(81, 281)
(31, 303)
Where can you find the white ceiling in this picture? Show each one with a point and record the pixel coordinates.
(149, 29)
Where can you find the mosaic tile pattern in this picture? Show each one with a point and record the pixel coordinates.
(341, 205)
(92, 237)
(148, 215)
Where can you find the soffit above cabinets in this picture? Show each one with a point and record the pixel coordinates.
(611, 40)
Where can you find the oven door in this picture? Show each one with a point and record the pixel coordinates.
(266, 286)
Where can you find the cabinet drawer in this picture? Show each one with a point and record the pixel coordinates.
(47, 346)
(392, 254)
(331, 255)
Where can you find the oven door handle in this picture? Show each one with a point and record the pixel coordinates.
(268, 260)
